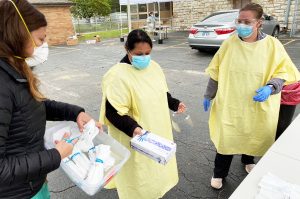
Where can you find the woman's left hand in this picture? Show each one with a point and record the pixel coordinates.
(83, 118)
(181, 108)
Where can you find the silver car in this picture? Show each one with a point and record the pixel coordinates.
(217, 27)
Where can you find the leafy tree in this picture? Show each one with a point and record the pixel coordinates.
(91, 8)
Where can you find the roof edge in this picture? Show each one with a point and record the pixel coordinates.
(53, 4)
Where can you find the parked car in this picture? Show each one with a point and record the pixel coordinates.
(217, 27)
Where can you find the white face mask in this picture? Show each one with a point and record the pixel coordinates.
(40, 55)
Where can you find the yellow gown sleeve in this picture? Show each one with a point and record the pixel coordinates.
(213, 68)
(116, 90)
(118, 94)
(285, 69)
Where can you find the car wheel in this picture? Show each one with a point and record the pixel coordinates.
(276, 32)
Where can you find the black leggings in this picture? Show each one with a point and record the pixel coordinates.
(286, 115)
(223, 162)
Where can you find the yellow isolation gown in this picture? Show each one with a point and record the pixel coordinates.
(141, 94)
(237, 124)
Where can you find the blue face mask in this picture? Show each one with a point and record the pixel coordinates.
(141, 62)
(244, 31)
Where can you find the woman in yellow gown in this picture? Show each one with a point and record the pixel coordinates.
(246, 77)
(135, 97)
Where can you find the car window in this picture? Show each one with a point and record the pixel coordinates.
(267, 17)
(221, 17)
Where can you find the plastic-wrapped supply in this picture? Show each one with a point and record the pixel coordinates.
(109, 163)
(273, 187)
(96, 172)
(85, 141)
(93, 173)
(81, 161)
(104, 149)
(155, 147)
(103, 152)
(77, 172)
(92, 154)
(94, 178)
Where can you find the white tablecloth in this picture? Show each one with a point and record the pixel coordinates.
(282, 160)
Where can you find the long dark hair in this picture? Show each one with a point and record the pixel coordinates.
(137, 36)
(14, 38)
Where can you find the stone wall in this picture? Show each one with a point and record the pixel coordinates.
(60, 25)
(189, 12)
(277, 8)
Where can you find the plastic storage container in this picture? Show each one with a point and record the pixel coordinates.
(119, 152)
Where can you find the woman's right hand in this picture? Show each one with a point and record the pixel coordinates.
(137, 131)
(64, 148)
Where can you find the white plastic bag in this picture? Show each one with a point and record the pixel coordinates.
(85, 141)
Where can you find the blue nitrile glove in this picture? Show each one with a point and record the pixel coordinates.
(263, 94)
(206, 104)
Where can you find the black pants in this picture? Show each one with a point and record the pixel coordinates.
(223, 162)
(286, 115)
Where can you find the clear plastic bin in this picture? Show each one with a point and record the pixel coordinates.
(119, 152)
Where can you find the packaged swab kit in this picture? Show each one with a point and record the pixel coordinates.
(96, 157)
(155, 147)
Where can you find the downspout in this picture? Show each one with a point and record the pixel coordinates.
(287, 14)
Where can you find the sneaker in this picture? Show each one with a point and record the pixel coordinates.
(249, 167)
(216, 183)
(153, 40)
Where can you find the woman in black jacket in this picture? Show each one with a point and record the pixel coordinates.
(24, 161)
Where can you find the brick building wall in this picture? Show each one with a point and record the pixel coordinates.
(189, 12)
(60, 25)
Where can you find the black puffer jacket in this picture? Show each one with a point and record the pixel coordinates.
(24, 161)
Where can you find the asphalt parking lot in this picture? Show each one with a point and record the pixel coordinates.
(73, 75)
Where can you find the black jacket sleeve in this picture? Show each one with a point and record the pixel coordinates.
(21, 168)
(124, 123)
(173, 103)
(58, 111)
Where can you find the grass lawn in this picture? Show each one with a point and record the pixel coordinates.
(103, 34)
(85, 28)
